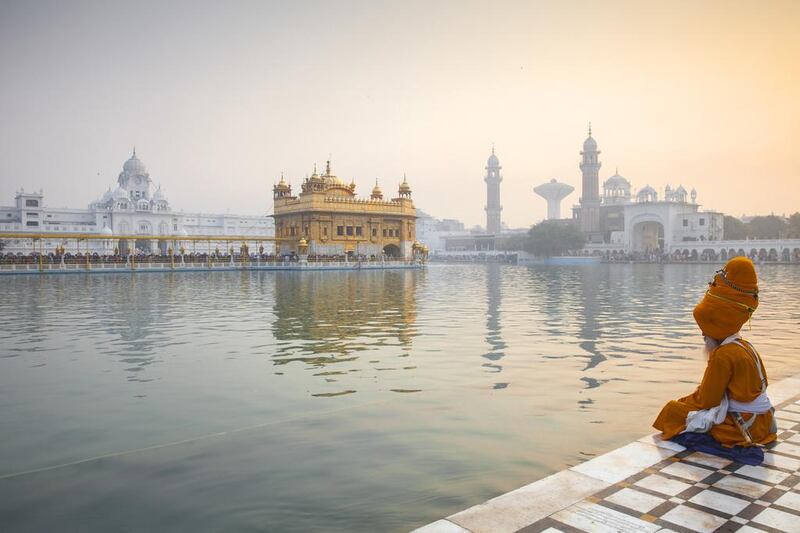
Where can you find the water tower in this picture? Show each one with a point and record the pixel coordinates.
(553, 191)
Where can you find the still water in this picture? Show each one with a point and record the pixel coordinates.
(333, 401)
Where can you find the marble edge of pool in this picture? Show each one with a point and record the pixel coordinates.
(513, 511)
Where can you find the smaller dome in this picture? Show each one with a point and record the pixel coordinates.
(158, 196)
(668, 188)
(106, 231)
(183, 232)
(617, 182)
(680, 190)
(405, 187)
(282, 185)
(590, 145)
(376, 190)
(107, 196)
(647, 194)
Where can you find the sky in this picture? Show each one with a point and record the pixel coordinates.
(219, 98)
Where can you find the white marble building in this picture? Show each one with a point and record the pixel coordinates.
(134, 207)
(644, 222)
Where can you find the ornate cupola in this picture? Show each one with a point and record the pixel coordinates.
(377, 193)
(282, 189)
(405, 189)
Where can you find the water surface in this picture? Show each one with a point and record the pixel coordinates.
(336, 401)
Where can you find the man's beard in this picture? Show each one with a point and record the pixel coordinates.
(710, 346)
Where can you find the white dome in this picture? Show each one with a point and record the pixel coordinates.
(134, 165)
(106, 231)
(680, 190)
(617, 182)
(589, 145)
(183, 232)
(107, 196)
(158, 196)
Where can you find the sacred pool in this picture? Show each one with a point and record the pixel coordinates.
(337, 401)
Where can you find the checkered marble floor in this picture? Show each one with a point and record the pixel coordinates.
(676, 490)
(692, 491)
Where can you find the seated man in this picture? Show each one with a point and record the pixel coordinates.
(731, 404)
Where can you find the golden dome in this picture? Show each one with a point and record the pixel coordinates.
(376, 191)
(405, 188)
(282, 185)
(302, 242)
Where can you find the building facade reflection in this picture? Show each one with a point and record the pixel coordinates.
(325, 319)
(494, 338)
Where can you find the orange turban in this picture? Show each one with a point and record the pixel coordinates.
(729, 301)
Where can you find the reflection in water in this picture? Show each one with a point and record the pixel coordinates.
(325, 319)
(493, 329)
(373, 398)
(589, 316)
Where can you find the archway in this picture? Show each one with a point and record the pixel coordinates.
(392, 251)
(648, 236)
(143, 245)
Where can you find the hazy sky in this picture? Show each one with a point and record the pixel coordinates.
(220, 97)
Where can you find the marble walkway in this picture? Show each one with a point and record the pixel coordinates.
(653, 485)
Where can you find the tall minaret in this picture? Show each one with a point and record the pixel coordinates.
(590, 194)
(493, 207)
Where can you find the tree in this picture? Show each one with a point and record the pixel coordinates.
(512, 243)
(768, 227)
(793, 228)
(733, 229)
(554, 237)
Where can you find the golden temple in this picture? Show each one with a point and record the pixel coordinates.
(327, 218)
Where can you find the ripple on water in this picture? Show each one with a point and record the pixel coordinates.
(507, 373)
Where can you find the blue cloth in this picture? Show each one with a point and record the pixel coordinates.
(703, 442)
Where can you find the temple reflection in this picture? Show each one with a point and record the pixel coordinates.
(494, 339)
(328, 318)
(590, 327)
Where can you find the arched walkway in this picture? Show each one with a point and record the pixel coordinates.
(391, 250)
(648, 236)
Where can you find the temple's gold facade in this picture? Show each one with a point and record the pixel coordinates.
(326, 218)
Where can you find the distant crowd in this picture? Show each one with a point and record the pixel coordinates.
(19, 258)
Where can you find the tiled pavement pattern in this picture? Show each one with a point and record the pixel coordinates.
(653, 485)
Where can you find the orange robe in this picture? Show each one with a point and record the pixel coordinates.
(730, 368)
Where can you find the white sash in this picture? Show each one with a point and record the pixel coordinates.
(702, 421)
